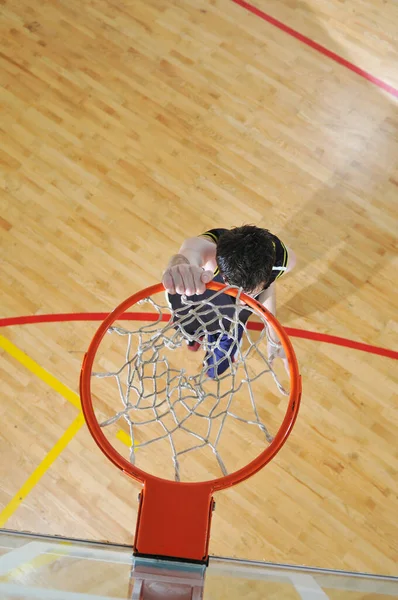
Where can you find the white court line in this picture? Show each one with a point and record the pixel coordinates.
(137, 589)
(99, 554)
(11, 589)
(337, 580)
(197, 593)
(307, 587)
(69, 550)
(18, 556)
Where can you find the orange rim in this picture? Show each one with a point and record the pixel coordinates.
(215, 484)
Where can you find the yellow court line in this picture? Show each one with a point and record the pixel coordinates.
(125, 438)
(38, 473)
(41, 373)
(69, 395)
(42, 560)
(52, 381)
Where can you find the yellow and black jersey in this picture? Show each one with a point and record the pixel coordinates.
(224, 302)
(281, 253)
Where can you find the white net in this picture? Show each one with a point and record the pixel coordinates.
(191, 401)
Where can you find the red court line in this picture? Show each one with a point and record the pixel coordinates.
(300, 333)
(318, 47)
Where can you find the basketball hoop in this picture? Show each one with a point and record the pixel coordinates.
(174, 516)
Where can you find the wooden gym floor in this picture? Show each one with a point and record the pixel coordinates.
(123, 130)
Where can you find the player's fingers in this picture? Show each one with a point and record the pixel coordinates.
(178, 281)
(196, 273)
(188, 277)
(207, 276)
(200, 286)
(168, 282)
(204, 277)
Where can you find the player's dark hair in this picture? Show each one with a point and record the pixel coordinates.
(245, 257)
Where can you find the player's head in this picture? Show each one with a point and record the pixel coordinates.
(245, 257)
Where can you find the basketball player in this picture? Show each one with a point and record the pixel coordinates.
(247, 257)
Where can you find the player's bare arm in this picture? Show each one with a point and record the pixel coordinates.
(268, 299)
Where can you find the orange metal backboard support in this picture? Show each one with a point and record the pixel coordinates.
(174, 520)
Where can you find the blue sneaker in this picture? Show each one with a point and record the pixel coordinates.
(220, 357)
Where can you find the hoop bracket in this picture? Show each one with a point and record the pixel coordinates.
(160, 579)
(174, 521)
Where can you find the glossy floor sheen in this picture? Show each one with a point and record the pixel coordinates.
(126, 127)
